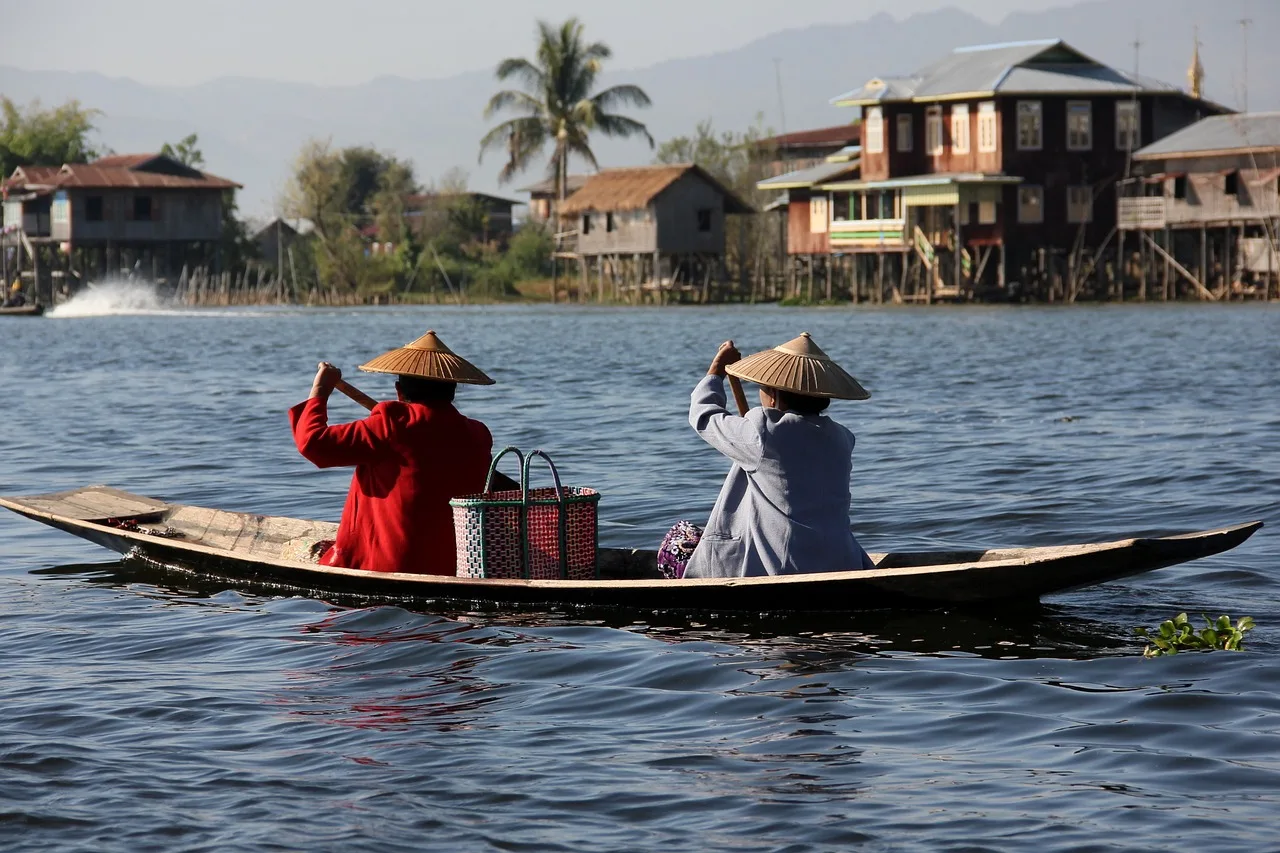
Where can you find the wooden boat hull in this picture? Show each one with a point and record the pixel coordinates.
(242, 547)
(23, 311)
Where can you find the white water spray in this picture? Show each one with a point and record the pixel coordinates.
(112, 298)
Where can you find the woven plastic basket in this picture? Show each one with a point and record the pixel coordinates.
(540, 534)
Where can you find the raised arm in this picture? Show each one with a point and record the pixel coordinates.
(332, 446)
(739, 438)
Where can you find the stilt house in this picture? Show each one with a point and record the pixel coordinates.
(650, 227)
(1199, 216)
(994, 165)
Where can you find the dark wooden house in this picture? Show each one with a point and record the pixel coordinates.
(804, 149)
(145, 211)
(487, 217)
(998, 164)
(1202, 208)
(655, 227)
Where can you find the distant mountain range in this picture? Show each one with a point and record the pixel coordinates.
(251, 130)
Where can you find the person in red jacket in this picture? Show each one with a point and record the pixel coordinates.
(411, 456)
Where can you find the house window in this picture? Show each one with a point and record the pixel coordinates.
(1079, 204)
(933, 131)
(1231, 183)
(960, 128)
(818, 215)
(704, 219)
(875, 131)
(1030, 126)
(1079, 126)
(1180, 186)
(60, 210)
(586, 224)
(988, 127)
(93, 208)
(904, 132)
(608, 223)
(142, 208)
(1128, 125)
(987, 212)
(1030, 204)
(841, 203)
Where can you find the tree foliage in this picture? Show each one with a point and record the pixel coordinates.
(738, 160)
(361, 201)
(187, 151)
(558, 104)
(34, 136)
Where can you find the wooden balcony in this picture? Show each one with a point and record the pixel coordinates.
(869, 234)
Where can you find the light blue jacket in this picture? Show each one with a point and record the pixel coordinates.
(784, 508)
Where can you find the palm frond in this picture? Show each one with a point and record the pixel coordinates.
(623, 127)
(625, 95)
(510, 98)
(530, 74)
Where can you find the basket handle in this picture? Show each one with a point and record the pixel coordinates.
(493, 466)
(561, 515)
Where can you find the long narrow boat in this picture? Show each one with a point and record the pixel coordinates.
(247, 548)
(23, 311)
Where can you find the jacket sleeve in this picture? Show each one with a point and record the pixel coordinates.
(336, 446)
(738, 438)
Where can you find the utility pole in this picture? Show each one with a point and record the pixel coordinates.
(1132, 142)
(782, 108)
(1244, 34)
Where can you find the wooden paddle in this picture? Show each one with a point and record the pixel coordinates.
(738, 397)
(501, 482)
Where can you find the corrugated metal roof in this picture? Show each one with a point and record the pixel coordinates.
(1241, 132)
(1043, 66)
(635, 188)
(802, 178)
(822, 137)
(91, 176)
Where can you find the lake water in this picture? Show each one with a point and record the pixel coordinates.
(142, 713)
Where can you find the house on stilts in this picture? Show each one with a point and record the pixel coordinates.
(1199, 216)
(649, 232)
(989, 174)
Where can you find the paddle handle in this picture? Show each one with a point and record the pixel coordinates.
(738, 397)
(355, 394)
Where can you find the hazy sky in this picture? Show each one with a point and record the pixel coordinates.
(181, 42)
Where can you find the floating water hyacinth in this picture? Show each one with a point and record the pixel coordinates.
(1176, 635)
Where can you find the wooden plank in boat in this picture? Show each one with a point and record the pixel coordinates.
(96, 503)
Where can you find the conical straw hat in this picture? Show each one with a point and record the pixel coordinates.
(429, 358)
(801, 367)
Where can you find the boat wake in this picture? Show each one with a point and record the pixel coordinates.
(112, 298)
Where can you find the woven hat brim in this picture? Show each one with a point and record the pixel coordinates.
(428, 364)
(799, 375)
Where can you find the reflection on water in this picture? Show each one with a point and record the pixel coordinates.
(151, 709)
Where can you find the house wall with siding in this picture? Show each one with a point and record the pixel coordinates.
(677, 214)
(1206, 200)
(800, 237)
(634, 232)
(177, 215)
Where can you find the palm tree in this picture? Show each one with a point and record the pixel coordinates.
(557, 104)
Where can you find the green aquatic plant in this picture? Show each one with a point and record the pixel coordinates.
(1177, 635)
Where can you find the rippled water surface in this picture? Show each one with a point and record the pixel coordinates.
(146, 712)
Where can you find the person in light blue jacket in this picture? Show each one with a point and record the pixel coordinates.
(784, 508)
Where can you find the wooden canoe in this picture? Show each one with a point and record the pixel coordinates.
(23, 311)
(246, 549)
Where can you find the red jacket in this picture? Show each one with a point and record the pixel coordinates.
(410, 459)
